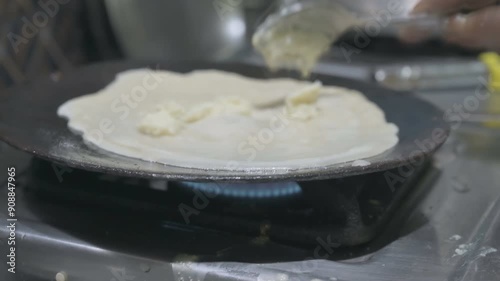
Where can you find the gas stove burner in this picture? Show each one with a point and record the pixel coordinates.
(251, 190)
(348, 211)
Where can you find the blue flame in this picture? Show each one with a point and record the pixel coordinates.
(243, 190)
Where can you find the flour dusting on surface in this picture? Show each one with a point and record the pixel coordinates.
(455, 237)
(361, 163)
(463, 249)
(272, 277)
(486, 251)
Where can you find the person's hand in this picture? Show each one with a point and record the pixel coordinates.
(479, 29)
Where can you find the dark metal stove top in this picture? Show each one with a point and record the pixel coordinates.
(346, 212)
(445, 229)
(100, 237)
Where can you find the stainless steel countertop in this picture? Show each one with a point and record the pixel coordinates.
(417, 73)
(461, 196)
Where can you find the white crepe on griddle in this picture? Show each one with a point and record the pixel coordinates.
(210, 119)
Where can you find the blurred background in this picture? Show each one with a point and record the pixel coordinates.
(41, 37)
(45, 36)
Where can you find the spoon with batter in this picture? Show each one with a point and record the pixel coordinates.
(299, 34)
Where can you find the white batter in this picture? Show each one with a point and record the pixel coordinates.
(219, 120)
(298, 40)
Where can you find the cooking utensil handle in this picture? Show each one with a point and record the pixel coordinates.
(433, 23)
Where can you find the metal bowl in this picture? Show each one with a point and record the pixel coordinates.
(178, 29)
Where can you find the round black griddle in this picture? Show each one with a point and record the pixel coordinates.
(28, 121)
